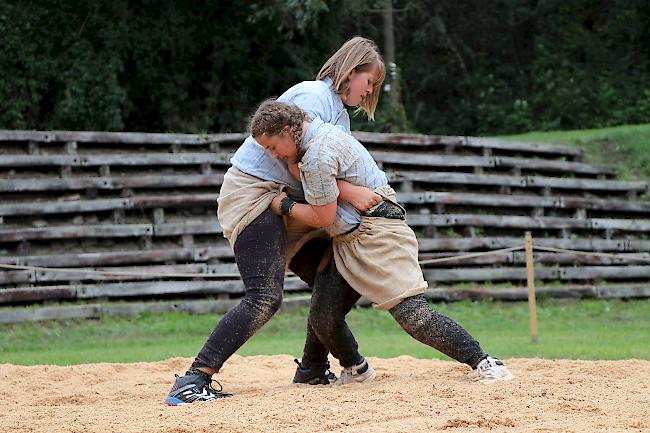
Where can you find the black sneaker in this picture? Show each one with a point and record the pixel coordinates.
(192, 388)
(313, 376)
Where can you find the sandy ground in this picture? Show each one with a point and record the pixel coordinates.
(408, 395)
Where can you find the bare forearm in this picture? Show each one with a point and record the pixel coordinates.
(346, 190)
(310, 215)
(360, 197)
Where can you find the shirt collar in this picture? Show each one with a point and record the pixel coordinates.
(337, 99)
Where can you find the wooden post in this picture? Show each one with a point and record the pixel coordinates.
(530, 273)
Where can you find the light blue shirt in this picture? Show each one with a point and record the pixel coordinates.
(332, 154)
(320, 101)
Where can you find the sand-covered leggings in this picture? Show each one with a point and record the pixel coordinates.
(333, 298)
(260, 252)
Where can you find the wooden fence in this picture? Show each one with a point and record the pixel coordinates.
(137, 206)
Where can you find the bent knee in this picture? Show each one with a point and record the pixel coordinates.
(266, 304)
(325, 321)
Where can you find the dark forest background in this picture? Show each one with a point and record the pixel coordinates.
(465, 67)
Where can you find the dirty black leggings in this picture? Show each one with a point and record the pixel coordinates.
(333, 298)
(260, 252)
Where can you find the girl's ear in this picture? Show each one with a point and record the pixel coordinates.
(286, 128)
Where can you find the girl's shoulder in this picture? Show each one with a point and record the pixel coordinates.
(331, 140)
(316, 88)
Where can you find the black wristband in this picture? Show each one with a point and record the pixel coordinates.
(285, 206)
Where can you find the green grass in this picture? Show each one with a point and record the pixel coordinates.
(626, 148)
(592, 329)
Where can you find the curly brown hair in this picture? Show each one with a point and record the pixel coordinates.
(272, 115)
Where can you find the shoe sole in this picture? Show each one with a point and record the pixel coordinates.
(171, 401)
(499, 379)
(354, 381)
(312, 384)
(371, 377)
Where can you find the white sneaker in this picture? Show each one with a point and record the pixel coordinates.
(360, 373)
(492, 370)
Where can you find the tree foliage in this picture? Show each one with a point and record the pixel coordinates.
(187, 66)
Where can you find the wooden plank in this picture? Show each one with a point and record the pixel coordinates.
(459, 141)
(156, 288)
(520, 294)
(552, 165)
(54, 207)
(135, 202)
(419, 140)
(70, 232)
(13, 161)
(194, 227)
(168, 181)
(493, 259)
(119, 137)
(635, 225)
(492, 243)
(427, 245)
(111, 183)
(72, 206)
(176, 200)
(200, 139)
(605, 204)
(116, 159)
(94, 311)
(517, 258)
(454, 178)
(491, 200)
(36, 294)
(504, 221)
(628, 272)
(17, 315)
(524, 201)
(138, 273)
(581, 258)
(585, 184)
(112, 258)
(16, 277)
(623, 292)
(543, 148)
(188, 306)
(508, 293)
(427, 159)
(153, 158)
(411, 197)
(518, 181)
(90, 311)
(523, 222)
(541, 273)
(131, 289)
(487, 274)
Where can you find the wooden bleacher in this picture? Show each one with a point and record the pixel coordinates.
(141, 209)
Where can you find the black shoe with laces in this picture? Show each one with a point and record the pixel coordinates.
(313, 376)
(192, 388)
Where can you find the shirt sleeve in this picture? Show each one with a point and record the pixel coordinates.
(318, 171)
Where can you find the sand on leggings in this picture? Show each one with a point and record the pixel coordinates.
(408, 395)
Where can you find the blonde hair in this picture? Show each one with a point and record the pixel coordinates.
(272, 115)
(361, 55)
